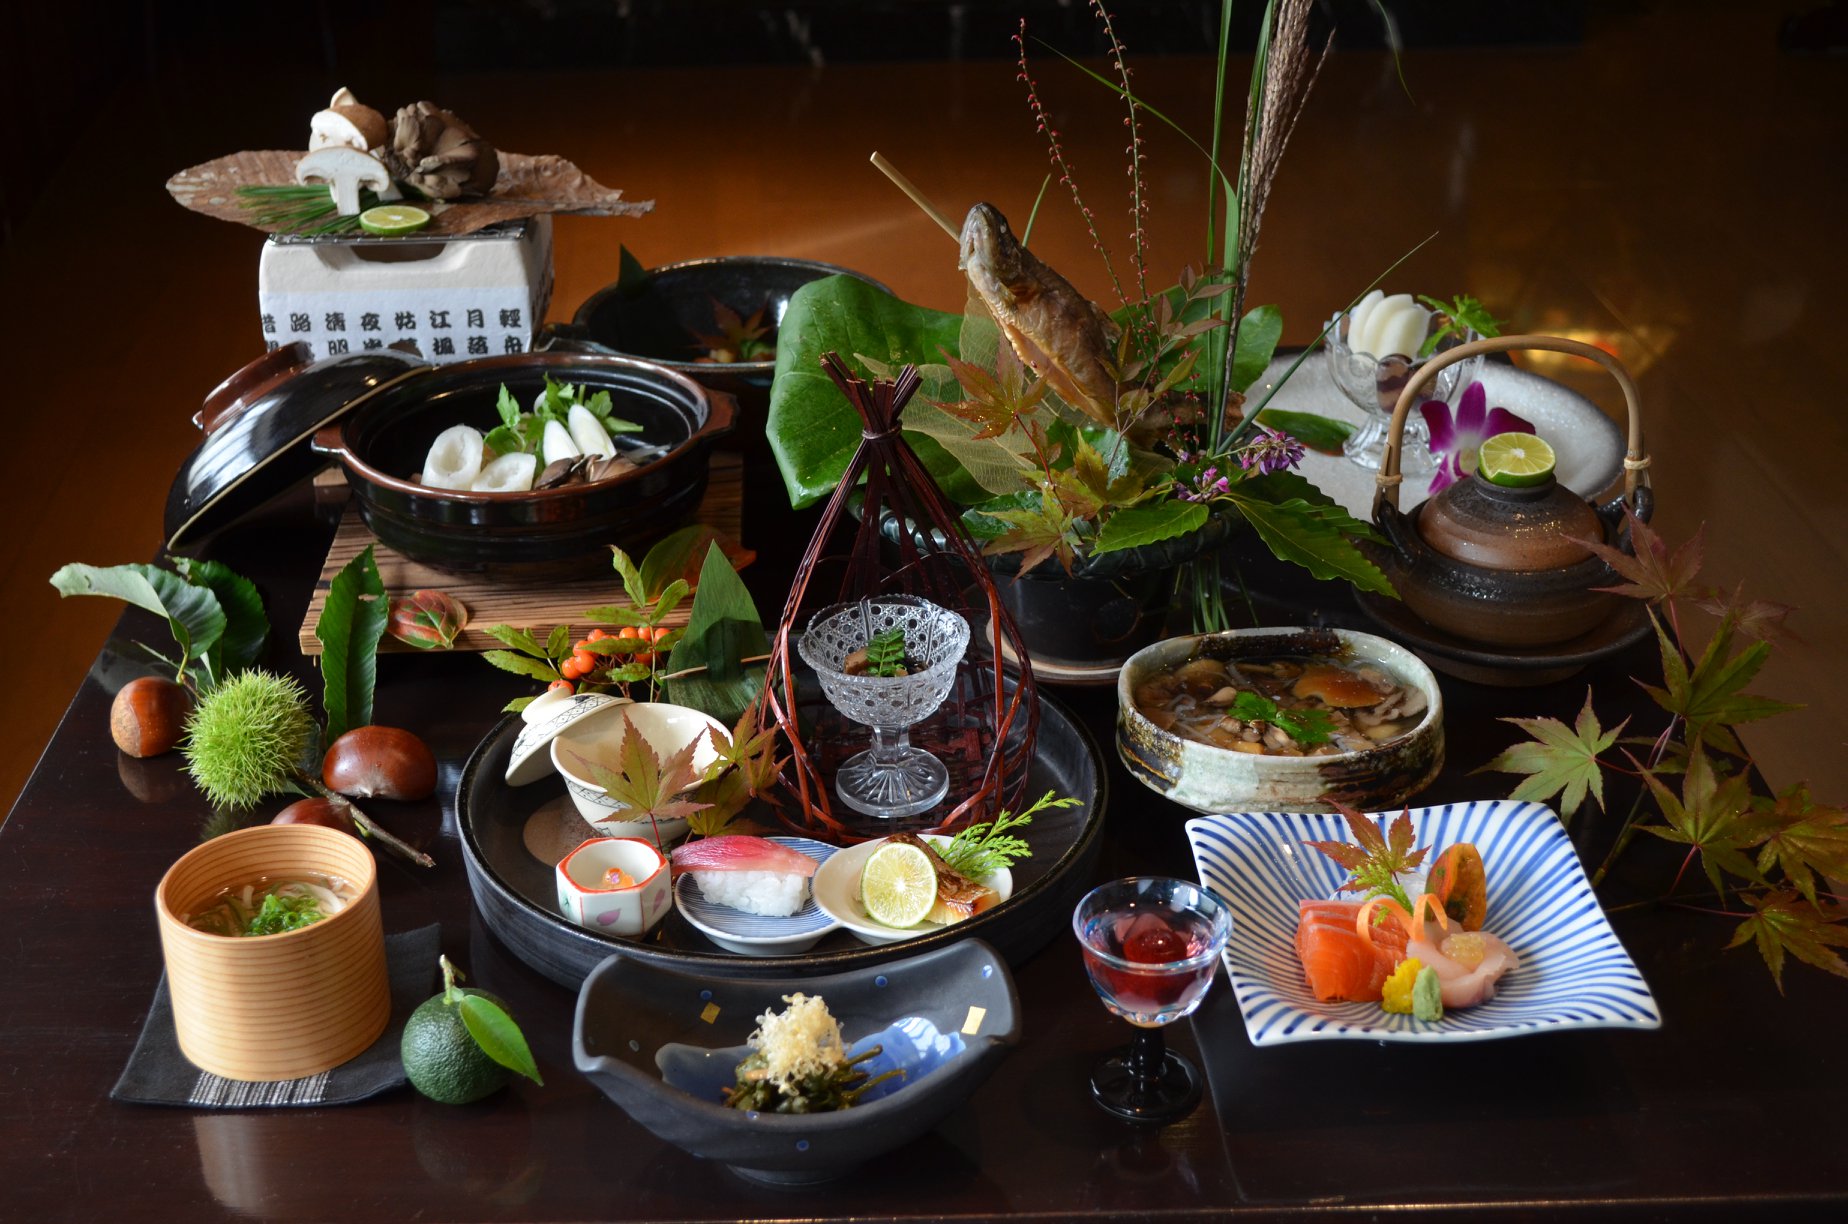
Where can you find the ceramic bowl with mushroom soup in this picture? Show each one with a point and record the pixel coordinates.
(666, 729)
(1280, 720)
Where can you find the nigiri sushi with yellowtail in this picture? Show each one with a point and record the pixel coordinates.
(752, 874)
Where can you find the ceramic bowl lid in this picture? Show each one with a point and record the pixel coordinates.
(550, 715)
(257, 424)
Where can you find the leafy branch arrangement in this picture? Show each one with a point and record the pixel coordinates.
(1117, 431)
(1761, 854)
(216, 617)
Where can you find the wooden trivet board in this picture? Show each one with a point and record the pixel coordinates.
(491, 603)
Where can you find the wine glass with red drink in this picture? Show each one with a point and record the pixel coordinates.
(1151, 946)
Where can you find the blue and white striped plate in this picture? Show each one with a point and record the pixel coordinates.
(754, 934)
(1574, 973)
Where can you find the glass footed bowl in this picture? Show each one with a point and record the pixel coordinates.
(1372, 384)
(886, 701)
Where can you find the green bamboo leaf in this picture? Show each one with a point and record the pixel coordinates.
(498, 1036)
(246, 624)
(1147, 524)
(352, 622)
(671, 557)
(723, 629)
(1258, 333)
(193, 613)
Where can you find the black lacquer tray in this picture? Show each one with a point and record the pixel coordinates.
(517, 896)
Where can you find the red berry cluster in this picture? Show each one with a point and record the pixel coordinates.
(584, 663)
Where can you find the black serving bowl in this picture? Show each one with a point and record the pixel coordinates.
(639, 1024)
(660, 318)
(383, 439)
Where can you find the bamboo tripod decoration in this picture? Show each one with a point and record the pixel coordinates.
(985, 729)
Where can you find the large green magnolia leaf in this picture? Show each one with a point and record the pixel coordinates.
(193, 613)
(813, 430)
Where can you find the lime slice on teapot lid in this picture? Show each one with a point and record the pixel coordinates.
(1516, 460)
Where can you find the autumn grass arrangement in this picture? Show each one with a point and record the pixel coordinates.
(1767, 858)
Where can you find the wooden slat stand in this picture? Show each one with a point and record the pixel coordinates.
(490, 603)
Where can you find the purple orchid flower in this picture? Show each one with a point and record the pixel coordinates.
(1456, 439)
(1274, 452)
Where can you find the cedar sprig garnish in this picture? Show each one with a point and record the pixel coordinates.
(1379, 858)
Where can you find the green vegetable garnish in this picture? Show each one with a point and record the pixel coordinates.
(521, 432)
(1303, 726)
(885, 654)
(279, 914)
(982, 849)
(1464, 314)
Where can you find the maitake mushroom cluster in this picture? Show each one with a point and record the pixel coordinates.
(429, 149)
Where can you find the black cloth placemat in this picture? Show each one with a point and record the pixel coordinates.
(158, 1074)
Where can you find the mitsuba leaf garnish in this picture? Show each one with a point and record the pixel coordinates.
(1559, 760)
(352, 622)
(522, 432)
(1375, 858)
(1303, 726)
(1713, 815)
(1465, 312)
(983, 849)
(1783, 922)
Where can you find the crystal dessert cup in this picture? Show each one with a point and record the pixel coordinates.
(892, 778)
(1372, 383)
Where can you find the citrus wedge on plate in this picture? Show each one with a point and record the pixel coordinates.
(391, 220)
(898, 885)
(1516, 460)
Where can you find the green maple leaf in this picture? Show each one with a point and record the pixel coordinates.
(639, 780)
(1375, 858)
(1782, 923)
(994, 399)
(1559, 760)
(1708, 697)
(1037, 534)
(1655, 574)
(1803, 839)
(1713, 814)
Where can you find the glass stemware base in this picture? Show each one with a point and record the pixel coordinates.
(891, 783)
(1146, 1082)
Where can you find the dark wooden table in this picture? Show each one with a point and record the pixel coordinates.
(1727, 1108)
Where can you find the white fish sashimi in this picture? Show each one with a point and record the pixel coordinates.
(558, 444)
(508, 474)
(588, 432)
(1462, 985)
(454, 459)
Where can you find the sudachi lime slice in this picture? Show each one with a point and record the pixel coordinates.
(1516, 460)
(391, 220)
(898, 885)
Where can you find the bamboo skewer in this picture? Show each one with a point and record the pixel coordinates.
(917, 197)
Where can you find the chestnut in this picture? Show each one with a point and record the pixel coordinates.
(329, 813)
(380, 763)
(149, 716)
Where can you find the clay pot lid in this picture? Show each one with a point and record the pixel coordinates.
(1498, 528)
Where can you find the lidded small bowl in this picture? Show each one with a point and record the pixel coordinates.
(1498, 527)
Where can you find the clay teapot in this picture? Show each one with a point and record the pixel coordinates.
(1505, 566)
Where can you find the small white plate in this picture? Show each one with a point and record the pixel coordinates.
(837, 891)
(757, 934)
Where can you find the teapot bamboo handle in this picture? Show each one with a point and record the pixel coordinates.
(1635, 460)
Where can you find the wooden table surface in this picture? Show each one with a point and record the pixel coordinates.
(1671, 187)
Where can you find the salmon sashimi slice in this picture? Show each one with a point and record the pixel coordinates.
(1337, 962)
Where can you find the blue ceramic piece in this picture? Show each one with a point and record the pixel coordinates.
(660, 1042)
(1574, 973)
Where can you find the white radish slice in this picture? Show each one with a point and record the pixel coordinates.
(557, 444)
(1381, 320)
(508, 474)
(1357, 320)
(454, 459)
(588, 432)
(1403, 332)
